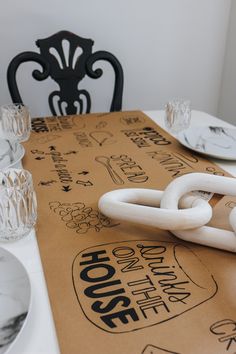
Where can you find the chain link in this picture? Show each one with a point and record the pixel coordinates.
(174, 210)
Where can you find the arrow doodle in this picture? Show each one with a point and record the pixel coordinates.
(84, 183)
(52, 148)
(66, 188)
(83, 173)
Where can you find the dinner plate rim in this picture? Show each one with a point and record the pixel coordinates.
(15, 340)
(183, 142)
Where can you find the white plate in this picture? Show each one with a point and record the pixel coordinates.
(219, 142)
(15, 296)
(11, 154)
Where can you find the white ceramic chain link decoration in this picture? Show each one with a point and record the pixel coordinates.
(142, 206)
(209, 236)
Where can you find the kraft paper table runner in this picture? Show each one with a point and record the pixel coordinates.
(117, 287)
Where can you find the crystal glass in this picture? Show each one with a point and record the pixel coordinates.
(177, 115)
(15, 122)
(18, 206)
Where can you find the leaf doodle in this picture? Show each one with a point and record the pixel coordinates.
(81, 218)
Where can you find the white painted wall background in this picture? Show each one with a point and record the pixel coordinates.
(168, 48)
(227, 101)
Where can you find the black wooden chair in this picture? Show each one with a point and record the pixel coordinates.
(67, 70)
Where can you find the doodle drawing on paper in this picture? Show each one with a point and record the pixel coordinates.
(81, 218)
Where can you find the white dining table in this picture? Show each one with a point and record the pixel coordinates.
(38, 335)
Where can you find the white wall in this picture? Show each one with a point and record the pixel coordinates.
(168, 48)
(227, 101)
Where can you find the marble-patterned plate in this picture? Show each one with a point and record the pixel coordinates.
(218, 142)
(11, 153)
(15, 297)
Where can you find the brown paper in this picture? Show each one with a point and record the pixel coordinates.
(117, 287)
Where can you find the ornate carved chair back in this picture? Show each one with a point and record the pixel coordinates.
(67, 59)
